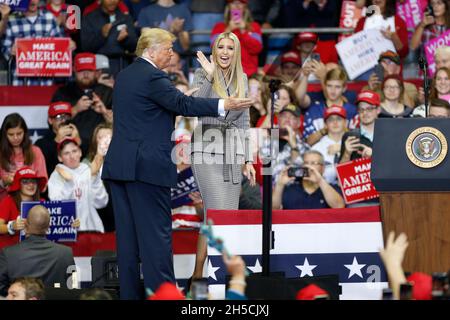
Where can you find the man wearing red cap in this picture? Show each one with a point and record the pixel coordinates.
(290, 64)
(330, 145)
(90, 100)
(390, 64)
(59, 113)
(358, 143)
(305, 43)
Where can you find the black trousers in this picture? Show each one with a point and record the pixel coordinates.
(143, 219)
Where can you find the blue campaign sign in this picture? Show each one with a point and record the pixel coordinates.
(62, 215)
(16, 5)
(185, 185)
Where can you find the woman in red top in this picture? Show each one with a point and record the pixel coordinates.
(16, 151)
(389, 23)
(26, 186)
(238, 20)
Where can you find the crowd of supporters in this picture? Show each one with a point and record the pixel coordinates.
(318, 129)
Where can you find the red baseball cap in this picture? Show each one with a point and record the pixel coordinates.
(305, 37)
(369, 96)
(27, 173)
(291, 56)
(335, 109)
(311, 292)
(59, 107)
(85, 61)
(167, 291)
(422, 285)
(64, 141)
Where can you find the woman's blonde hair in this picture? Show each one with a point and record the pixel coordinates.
(152, 37)
(234, 74)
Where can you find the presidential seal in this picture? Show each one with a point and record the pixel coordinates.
(426, 147)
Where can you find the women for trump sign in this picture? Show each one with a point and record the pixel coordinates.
(43, 57)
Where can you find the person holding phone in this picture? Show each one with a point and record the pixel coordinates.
(59, 121)
(389, 63)
(101, 138)
(291, 145)
(87, 111)
(358, 143)
(311, 191)
(238, 20)
(436, 21)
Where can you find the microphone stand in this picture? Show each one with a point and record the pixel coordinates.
(426, 86)
(267, 240)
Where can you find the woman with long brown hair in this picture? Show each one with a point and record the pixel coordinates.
(16, 151)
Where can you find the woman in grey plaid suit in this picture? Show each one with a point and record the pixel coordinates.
(220, 145)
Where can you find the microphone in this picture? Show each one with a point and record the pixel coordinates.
(422, 63)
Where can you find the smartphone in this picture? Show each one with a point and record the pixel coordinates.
(379, 71)
(315, 56)
(103, 145)
(89, 93)
(236, 15)
(354, 133)
(253, 90)
(199, 289)
(121, 26)
(406, 291)
(429, 10)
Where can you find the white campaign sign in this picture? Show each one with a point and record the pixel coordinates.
(360, 52)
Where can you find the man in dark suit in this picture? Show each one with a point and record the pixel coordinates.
(35, 257)
(139, 165)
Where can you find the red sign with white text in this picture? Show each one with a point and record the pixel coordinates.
(350, 15)
(43, 57)
(355, 182)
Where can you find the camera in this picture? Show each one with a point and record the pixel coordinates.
(89, 93)
(199, 289)
(298, 172)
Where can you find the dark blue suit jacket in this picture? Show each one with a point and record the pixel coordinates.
(145, 105)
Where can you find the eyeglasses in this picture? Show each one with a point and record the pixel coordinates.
(369, 109)
(313, 163)
(28, 181)
(392, 87)
(62, 117)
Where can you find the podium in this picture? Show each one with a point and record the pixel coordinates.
(411, 172)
